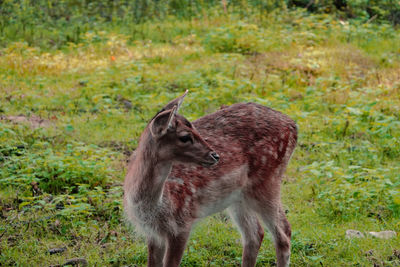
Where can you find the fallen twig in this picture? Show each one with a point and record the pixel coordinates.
(76, 261)
(56, 250)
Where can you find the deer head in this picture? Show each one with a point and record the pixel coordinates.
(177, 140)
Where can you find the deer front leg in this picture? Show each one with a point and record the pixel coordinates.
(156, 251)
(175, 249)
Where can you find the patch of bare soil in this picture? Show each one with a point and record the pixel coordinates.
(33, 121)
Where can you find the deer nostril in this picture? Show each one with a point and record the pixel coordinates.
(215, 156)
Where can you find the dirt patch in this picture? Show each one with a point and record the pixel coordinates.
(118, 146)
(33, 121)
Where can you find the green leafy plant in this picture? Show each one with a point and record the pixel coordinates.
(240, 38)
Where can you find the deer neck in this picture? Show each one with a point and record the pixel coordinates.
(148, 174)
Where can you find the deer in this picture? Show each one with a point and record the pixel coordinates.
(183, 171)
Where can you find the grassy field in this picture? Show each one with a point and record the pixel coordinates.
(71, 116)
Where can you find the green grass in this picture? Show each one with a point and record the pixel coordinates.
(338, 80)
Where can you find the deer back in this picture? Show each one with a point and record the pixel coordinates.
(254, 143)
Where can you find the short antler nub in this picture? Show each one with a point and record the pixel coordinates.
(181, 99)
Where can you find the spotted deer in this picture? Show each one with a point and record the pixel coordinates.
(182, 171)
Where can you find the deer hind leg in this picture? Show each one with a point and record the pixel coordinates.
(279, 227)
(251, 231)
(156, 251)
(175, 249)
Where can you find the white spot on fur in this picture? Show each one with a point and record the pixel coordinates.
(273, 154)
(280, 146)
(187, 201)
(263, 160)
(192, 189)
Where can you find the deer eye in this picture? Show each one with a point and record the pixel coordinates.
(186, 138)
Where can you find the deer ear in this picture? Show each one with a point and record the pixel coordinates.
(163, 122)
(176, 102)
